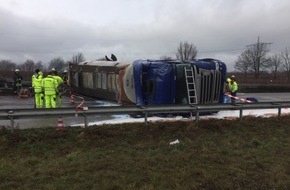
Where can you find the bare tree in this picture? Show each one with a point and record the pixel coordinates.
(285, 55)
(243, 64)
(39, 65)
(274, 64)
(57, 63)
(28, 65)
(76, 59)
(186, 51)
(7, 65)
(256, 57)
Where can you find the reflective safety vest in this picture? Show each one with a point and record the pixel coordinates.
(49, 85)
(58, 79)
(233, 87)
(37, 82)
(34, 76)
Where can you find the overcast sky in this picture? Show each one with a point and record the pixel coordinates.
(139, 29)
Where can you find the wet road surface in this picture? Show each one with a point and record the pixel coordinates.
(9, 102)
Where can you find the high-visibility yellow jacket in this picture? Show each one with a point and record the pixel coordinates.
(37, 82)
(233, 86)
(58, 79)
(49, 85)
(34, 76)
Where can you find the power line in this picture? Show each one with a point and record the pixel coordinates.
(225, 50)
(259, 43)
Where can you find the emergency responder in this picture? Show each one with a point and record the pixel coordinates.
(65, 87)
(37, 87)
(17, 81)
(65, 76)
(58, 88)
(49, 85)
(35, 75)
(232, 87)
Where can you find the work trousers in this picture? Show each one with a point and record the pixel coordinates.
(50, 101)
(39, 98)
(233, 100)
(17, 87)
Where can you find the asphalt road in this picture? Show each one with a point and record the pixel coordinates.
(266, 97)
(8, 102)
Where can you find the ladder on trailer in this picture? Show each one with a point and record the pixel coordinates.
(190, 84)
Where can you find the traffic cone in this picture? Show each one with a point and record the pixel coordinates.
(60, 124)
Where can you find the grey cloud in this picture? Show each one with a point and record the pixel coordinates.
(219, 29)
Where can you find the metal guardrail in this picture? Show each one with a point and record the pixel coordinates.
(194, 110)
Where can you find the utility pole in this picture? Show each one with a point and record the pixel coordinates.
(259, 51)
(259, 44)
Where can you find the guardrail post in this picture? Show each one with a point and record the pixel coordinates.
(10, 116)
(197, 115)
(146, 114)
(279, 111)
(241, 114)
(85, 116)
(146, 118)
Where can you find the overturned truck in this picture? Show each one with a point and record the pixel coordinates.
(151, 82)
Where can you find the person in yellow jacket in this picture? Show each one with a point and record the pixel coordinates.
(49, 85)
(59, 85)
(232, 87)
(37, 86)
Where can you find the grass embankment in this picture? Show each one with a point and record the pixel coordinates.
(215, 154)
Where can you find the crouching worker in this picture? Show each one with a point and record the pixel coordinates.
(49, 85)
(233, 87)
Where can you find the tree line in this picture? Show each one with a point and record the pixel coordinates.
(185, 51)
(256, 59)
(29, 65)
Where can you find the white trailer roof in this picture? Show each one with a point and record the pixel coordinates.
(105, 63)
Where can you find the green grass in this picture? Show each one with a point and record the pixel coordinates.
(215, 154)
